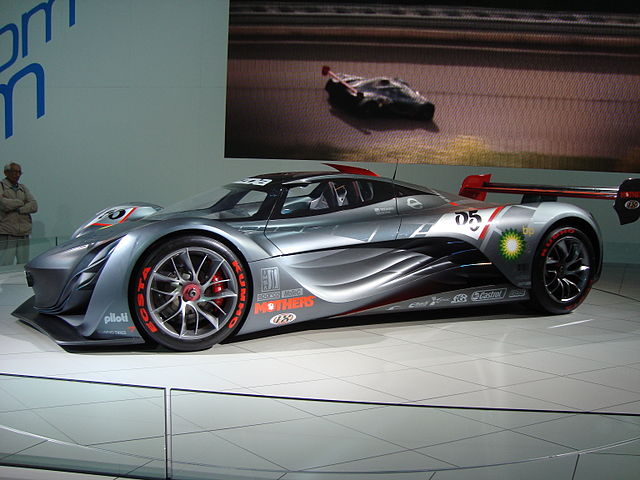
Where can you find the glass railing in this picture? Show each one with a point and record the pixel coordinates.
(83, 426)
(37, 245)
(156, 433)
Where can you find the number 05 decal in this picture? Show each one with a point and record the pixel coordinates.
(471, 223)
(470, 218)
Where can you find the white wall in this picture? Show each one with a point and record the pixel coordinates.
(135, 109)
(135, 96)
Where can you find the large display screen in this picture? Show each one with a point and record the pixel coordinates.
(513, 88)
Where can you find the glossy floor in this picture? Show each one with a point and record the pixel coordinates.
(502, 358)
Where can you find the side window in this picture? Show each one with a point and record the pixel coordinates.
(303, 199)
(332, 195)
(242, 204)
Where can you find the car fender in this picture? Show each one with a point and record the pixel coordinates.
(110, 299)
(515, 237)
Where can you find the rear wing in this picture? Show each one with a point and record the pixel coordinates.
(626, 196)
(326, 71)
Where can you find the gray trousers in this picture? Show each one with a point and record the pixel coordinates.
(14, 248)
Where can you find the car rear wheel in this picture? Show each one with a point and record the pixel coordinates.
(189, 293)
(563, 270)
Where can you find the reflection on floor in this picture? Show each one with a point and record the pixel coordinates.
(508, 358)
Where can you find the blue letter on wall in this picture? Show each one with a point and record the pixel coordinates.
(6, 90)
(46, 7)
(13, 29)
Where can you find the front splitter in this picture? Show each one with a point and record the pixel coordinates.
(61, 332)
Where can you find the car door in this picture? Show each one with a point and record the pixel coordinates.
(335, 236)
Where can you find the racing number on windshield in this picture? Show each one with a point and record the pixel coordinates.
(470, 218)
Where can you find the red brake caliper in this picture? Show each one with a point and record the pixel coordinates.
(217, 288)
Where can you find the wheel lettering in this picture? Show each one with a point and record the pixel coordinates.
(142, 311)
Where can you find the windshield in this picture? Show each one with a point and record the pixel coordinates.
(233, 201)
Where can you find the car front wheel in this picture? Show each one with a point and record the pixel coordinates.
(563, 270)
(189, 293)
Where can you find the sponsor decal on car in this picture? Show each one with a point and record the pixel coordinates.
(113, 318)
(632, 204)
(283, 319)
(263, 297)
(488, 295)
(430, 303)
(529, 231)
(517, 293)
(259, 182)
(293, 292)
(284, 304)
(414, 203)
(511, 244)
(270, 279)
(120, 333)
(460, 298)
(383, 210)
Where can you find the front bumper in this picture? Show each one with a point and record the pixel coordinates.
(63, 332)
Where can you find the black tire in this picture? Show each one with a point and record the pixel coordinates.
(427, 111)
(189, 293)
(563, 270)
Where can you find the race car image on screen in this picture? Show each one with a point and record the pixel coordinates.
(375, 96)
(282, 248)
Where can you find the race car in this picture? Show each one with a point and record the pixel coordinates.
(375, 96)
(282, 248)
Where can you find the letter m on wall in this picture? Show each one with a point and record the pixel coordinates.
(7, 91)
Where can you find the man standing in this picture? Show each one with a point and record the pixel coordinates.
(16, 206)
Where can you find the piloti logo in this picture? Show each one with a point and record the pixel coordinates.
(284, 304)
(113, 318)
